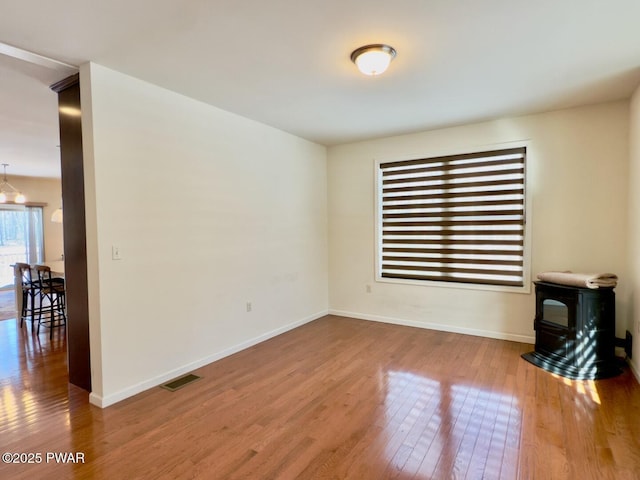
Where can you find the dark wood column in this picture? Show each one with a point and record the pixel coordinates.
(75, 245)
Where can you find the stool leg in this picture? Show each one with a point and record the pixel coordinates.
(23, 310)
(32, 294)
(39, 313)
(52, 318)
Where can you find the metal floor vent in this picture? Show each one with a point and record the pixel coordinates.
(180, 382)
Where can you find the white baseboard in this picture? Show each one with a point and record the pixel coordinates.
(634, 369)
(436, 326)
(105, 401)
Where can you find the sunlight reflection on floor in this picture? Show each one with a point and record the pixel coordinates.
(437, 428)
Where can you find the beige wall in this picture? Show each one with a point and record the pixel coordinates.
(44, 190)
(210, 211)
(577, 181)
(634, 230)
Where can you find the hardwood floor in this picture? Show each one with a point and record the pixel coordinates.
(7, 304)
(334, 399)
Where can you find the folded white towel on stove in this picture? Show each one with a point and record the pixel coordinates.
(589, 280)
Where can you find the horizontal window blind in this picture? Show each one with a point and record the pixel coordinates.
(458, 218)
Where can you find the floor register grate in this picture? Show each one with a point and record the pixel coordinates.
(180, 382)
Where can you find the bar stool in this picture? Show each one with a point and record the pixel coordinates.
(29, 292)
(52, 300)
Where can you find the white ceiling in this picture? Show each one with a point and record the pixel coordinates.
(286, 62)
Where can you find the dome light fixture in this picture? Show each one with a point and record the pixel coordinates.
(373, 59)
(56, 216)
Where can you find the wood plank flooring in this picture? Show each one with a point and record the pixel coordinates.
(337, 398)
(7, 303)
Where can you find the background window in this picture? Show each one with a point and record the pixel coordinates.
(21, 239)
(457, 218)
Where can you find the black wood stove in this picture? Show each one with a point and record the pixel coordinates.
(575, 331)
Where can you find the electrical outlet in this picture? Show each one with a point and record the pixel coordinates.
(368, 288)
(249, 306)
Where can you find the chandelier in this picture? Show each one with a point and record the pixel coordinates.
(8, 193)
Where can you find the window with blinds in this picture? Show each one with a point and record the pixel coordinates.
(458, 218)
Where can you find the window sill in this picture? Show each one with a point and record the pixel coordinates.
(525, 289)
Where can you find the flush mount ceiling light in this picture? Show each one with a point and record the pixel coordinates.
(373, 59)
(8, 193)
